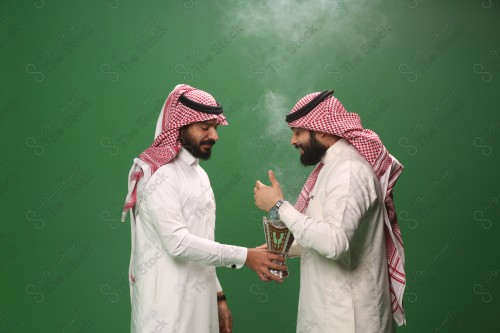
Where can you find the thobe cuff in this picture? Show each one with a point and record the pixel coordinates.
(235, 257)
(288, 214)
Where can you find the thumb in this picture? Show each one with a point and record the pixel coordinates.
(272, 178)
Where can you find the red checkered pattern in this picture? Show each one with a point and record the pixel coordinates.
(166, 145)
(303, 199)
(330, 116)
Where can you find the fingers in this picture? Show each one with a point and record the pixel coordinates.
(260, 261)
(265, 276)
(258, 186)
(278, 267)
(273, 256)
(271, 277)
(272, 264)
(263, 246)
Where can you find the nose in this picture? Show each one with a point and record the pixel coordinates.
(213, 134)
(293, 140)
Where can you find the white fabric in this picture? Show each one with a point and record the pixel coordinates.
(399, 316)
(159, 122)
(344, 284)
(174, 252)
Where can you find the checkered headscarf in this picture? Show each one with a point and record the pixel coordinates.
(326, 114)
(174, 115)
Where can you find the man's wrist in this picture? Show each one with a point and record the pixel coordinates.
(277, 205)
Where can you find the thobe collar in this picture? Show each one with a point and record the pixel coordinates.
(188, 158)
(335, 150)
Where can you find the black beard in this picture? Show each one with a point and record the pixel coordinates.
(189, 143)
(313, 152)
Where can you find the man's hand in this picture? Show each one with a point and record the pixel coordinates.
(260, 261)
(267, 196)
(225, 317)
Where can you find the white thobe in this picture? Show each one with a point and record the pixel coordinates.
(344, 284)
(174, 253)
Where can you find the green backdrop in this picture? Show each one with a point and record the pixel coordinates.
(81, 87)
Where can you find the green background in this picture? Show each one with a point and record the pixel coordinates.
(81, 87)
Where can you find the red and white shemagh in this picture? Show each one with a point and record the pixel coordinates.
(166, 145)
(303, 199)
(331, 117)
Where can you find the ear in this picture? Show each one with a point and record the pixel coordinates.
(182, 132)
(320, 135)
(324, 138)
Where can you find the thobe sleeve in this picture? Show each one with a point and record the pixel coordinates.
(217, 284)
(294, 250)
(349, 194)
(165, 210)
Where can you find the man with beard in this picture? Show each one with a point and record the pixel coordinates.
(344, 222)
(174, 287)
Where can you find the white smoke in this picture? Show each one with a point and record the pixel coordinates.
(292, 41)
(275, 106)
(289, 43)
(282, 18)
(275, 135)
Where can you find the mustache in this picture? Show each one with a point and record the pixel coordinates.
(297, 146)
(208, 142)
